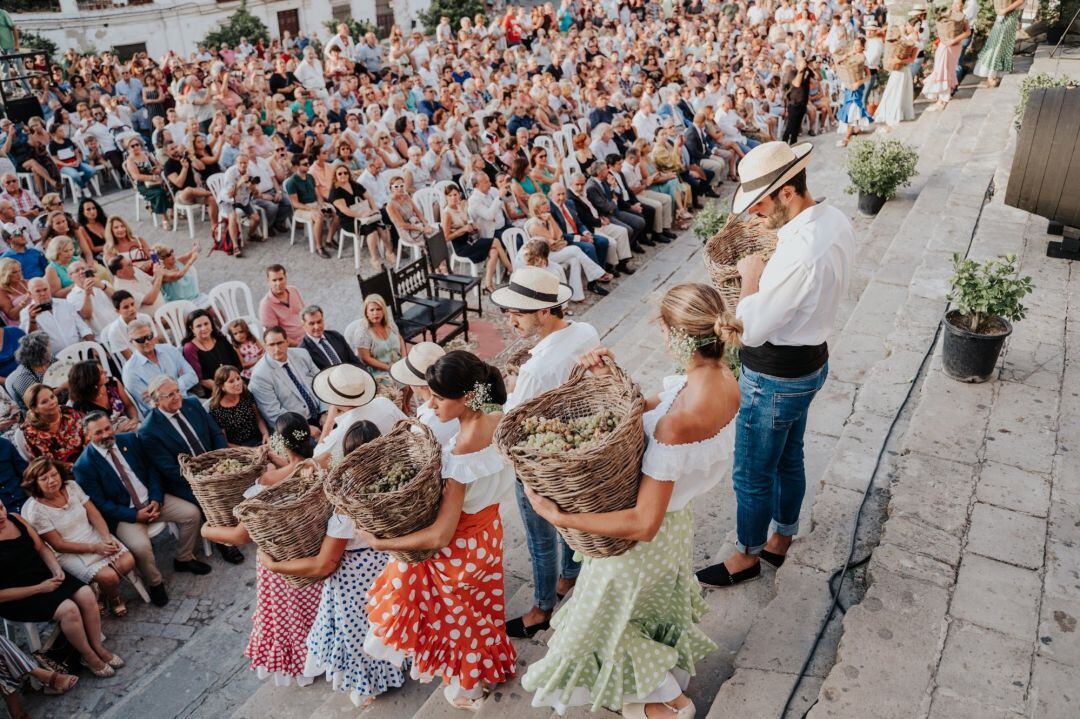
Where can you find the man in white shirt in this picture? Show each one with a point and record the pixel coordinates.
(440, 160)
(485, 206)
(91, 296)
(115, 334)
(788, 310)
(55, 317)
(146, 289)
(342, 41)
(533, 301)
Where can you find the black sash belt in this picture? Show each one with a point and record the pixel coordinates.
(788, 361)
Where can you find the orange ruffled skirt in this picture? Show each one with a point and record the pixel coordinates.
(447, 613)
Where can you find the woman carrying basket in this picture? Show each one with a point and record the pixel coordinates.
(628, 638)
(283, 614)
(411, 371)
(458, 634)
(996, 59)
(335, 642)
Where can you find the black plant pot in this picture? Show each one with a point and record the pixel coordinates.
(869, 204)
(969, 356)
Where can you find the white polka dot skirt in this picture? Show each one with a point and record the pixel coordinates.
(631, 620)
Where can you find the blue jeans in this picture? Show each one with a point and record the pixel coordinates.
(544, 542)
(595, 250)
(81, 172)
(769, 474)
(960, 63)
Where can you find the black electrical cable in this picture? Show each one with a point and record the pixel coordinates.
(848, 564)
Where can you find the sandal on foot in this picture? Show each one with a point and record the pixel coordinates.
(516, 628)
(104, 673)
(774, 559)
(469, 705)
(60, 683)
(116, 662)
(719, 576)
(118, 608)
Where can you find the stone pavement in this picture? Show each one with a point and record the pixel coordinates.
(928, 637)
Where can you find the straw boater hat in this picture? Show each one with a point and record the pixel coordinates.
(345, 385)
(412, 369)
(767, 167)
(531, 289)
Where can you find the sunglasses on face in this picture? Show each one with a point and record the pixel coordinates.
(142, 340)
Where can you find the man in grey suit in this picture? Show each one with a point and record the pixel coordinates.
(600, 195)
(281, 381)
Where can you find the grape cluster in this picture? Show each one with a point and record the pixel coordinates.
(558, 435)
(398, 476)
(227, 466)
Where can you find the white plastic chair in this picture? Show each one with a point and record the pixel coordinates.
(158, 527)
(353, 331)
(549, 145)
(189, 210)
(86, 350)
(344, 235)
(33, 639)
(510, 239)
(170, 320)
(26, 179)
(440, 189)
(427, 200)
(309, 229)
(224, 298)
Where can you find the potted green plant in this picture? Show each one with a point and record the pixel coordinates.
(877, 169)
(708, 222)
(987, 300)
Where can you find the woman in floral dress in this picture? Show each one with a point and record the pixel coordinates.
(447, 614)
(627, 639)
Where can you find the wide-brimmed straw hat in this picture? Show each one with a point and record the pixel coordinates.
(345, 385)
(767, 167)
(412, 368)
(531, 289)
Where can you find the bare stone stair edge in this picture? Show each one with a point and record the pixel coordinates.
(772, 656)
(893, 640)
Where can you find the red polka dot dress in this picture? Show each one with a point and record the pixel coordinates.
(279, 628)
(447, 614)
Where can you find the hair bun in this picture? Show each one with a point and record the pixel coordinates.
(729, 329)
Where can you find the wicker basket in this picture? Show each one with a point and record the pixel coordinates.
(951, 25)
(600, 478)
(898, 54)
(391, 514)
(513, 357)
(219, 494)
(735, 240)
(851, 71)
(288, 520)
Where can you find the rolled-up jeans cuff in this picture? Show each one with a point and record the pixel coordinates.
(743, 549)
(786, 530)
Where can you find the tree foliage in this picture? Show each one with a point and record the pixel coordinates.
(453, 9)
(881, 167)
(241, 24)
(40, 43)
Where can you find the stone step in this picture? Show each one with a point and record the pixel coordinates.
(892, 640)
(873, 365)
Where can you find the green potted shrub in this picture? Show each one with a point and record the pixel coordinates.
(987, 298)
(877, 169)
(708, 222)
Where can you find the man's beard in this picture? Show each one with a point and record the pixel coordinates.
(778, 217)
(107, 443)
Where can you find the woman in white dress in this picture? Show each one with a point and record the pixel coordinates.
(410, 371)
(898, 100)
(628, 639)
(72, 526)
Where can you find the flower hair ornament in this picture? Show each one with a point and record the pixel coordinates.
(277, 442)
(479, 397)
(682, 346)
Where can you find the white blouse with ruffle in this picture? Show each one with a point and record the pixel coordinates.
(487, 476)
(695, 467)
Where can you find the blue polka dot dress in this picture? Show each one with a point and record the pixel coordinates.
(335, 643)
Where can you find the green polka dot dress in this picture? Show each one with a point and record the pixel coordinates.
(996, 58)
(629, 632)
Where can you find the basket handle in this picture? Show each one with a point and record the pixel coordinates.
(410, 424)
(618, 374)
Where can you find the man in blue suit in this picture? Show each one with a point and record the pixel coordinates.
(574, 229)
(178, 425)
(115, 473)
